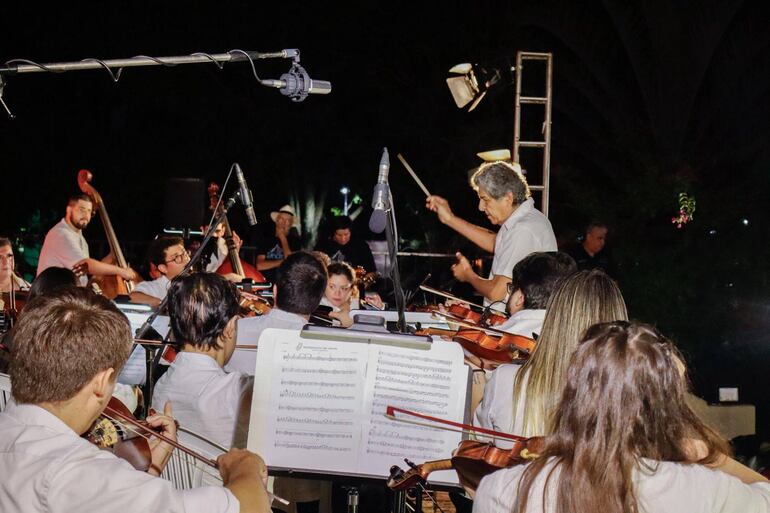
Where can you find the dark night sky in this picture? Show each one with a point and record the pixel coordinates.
(650, 99)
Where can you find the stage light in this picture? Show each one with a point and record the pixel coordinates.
(470, 87)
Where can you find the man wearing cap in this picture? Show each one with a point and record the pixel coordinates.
(273, 249)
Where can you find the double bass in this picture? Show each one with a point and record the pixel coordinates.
(111, 286)
(233, 264)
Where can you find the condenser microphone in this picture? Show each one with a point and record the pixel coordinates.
(381, 196)
(297, 84)
(245, 194)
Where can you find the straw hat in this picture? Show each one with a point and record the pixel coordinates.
(286, 209)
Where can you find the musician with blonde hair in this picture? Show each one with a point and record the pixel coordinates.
(521, 398)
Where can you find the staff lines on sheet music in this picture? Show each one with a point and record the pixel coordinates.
(319, 371)
(317, 383)
(309, 420)
(316, 447)
(437, 377)
(315, 434)
(410, 449)
(314, 358)
(413, 382)
(401, 425)
(385, 406)
(400, 399)
(377, 386)
(396, 434)
(403, 365)
(395, 454)
(315, 409)
(411, 358)
(312, 395)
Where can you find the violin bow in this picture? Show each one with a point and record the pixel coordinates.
(391, 411)
(447, 295)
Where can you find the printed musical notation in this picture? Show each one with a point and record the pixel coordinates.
(321, 405)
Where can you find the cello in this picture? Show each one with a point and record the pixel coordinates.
(111, 286)
(233, 264)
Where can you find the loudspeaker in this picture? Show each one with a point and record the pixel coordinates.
(185, 203)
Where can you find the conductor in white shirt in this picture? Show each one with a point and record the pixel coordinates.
(68, 348)
(505, 198)
(624, 439)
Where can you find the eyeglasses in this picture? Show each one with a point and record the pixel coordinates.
(6, 258)
(179, 258)
(510, 288)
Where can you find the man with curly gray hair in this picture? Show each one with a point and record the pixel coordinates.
(505, 198)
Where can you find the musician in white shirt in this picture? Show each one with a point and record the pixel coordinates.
(68, 348)
(203, 309)
(170, 257)
(624, 439)
(65, 246)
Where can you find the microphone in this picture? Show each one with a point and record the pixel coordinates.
(245, 195)
(381, 197)
(297, 84)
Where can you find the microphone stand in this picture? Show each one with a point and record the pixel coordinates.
(391, 234)
(154, 353)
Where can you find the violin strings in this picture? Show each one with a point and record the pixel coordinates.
(206, 469)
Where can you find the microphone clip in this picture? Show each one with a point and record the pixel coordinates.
(297, 82)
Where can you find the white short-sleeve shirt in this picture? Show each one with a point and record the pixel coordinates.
(495, 411)
(157, 288)
(205, 399)
(64, 246)
(671, 488)
(47, 468)
(525, 231)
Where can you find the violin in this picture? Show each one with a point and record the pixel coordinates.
(486, 342)
(472, 460)
(233, 264)
(111, 286)
(486, 317)
(253, 305)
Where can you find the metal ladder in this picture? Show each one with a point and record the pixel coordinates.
(546, 100)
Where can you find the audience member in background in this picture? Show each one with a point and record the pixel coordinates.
(520, 399)
(623, 439)
(590, 253)
(45, 463)
(274, 247)
(343, 246)
(203, 309)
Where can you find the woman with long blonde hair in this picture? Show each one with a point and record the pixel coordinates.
(520, 399)
(624, 440)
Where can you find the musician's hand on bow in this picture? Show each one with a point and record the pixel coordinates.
(462, 270)
(240, 463)
(81, 268)
(161, 451)
(129, 274)
(374, 300)
(441, 207)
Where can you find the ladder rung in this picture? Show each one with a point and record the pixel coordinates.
(535, 56)
(536, 187)
(532, 144)
(533, 99)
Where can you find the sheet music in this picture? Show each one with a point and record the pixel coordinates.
(319, 405)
